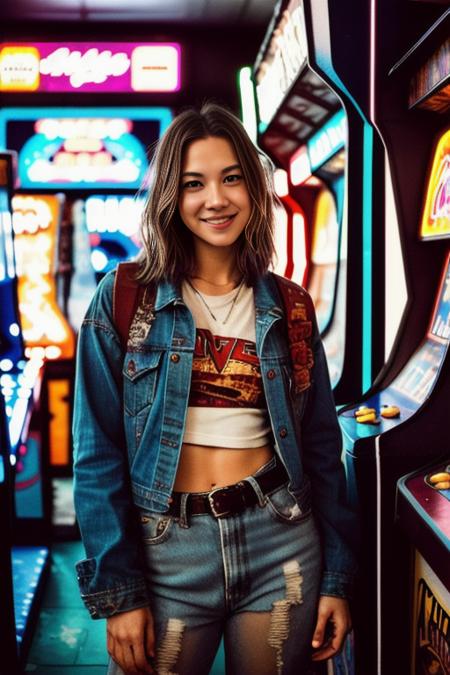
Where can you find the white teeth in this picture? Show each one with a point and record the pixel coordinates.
(218, 221)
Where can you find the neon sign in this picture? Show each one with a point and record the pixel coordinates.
(35, 223)
(97, 148)
(436, 214)
(90, 67)
(326, 142)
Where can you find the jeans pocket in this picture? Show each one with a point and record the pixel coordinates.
(285, 507)
(155, 527)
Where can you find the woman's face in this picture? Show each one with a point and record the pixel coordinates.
(214, 202)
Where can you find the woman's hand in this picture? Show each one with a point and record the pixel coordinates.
(131, 640)
(336, 613)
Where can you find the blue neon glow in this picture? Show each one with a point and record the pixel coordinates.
(28, 564)
(324, 61)
(262, 126)
(2, 470)
(328, 140)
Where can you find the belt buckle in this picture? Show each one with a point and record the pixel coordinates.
(225, 490)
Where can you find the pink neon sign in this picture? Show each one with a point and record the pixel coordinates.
(90, 67)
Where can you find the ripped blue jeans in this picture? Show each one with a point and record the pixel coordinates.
(252, 578)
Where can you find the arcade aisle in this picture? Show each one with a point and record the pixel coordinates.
(350, 101)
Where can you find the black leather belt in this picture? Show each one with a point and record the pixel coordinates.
(225, 501)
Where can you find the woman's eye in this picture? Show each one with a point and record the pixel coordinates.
(191, 184)
(233, 178)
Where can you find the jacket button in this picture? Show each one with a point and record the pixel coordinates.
(131, 368)
(283, 432)
(271, 374)
(175, 358)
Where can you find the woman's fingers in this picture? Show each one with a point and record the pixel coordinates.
(333, 644)
(127, 640)
(150, 638)
(140, 660)
(319, 631)
(333, 624)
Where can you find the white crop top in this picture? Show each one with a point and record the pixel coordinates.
(227, 406)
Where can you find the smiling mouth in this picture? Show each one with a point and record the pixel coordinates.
(219, 222)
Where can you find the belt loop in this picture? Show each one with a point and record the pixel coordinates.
(183, 510)
(259, 493)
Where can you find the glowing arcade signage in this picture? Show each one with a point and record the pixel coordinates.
(436, 214)
(90, 67)
(96, 148)
(328, 140)
(35, 222)
(283, 61)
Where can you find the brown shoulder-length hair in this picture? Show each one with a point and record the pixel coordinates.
(168, 251)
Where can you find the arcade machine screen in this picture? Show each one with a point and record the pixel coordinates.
(112, 222)
(91, 152)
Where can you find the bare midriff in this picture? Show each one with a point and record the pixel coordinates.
(203, 468)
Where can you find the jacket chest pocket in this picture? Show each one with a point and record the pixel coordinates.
(140, 375)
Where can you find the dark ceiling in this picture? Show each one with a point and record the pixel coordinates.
(227, 12)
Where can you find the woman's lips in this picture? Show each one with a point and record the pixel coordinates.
(219, 223)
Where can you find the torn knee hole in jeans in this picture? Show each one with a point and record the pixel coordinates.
(170, 647)
(279, 619)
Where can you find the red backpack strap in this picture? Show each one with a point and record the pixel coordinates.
(127, 295)
(299, 310)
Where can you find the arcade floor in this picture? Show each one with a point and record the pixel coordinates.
(66, 640)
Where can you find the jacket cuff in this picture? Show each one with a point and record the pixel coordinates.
(337, 584)
(120, 598)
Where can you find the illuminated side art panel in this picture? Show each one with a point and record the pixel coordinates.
(36, 221)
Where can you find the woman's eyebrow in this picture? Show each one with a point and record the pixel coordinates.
(197, 174)
(231, 168)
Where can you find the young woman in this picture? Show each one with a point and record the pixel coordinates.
(204, 398)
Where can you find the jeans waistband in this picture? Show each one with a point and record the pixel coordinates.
(231, 499)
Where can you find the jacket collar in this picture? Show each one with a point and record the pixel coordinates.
(267, 297)
(265, 292)
(166, 293)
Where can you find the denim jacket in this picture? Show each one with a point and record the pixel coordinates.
(129, 418)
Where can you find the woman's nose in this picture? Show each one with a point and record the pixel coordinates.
(216, 197)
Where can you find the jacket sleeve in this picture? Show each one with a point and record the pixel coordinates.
(111, 578)
(322, 447)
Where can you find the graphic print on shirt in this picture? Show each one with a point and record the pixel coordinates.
(225, 373)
